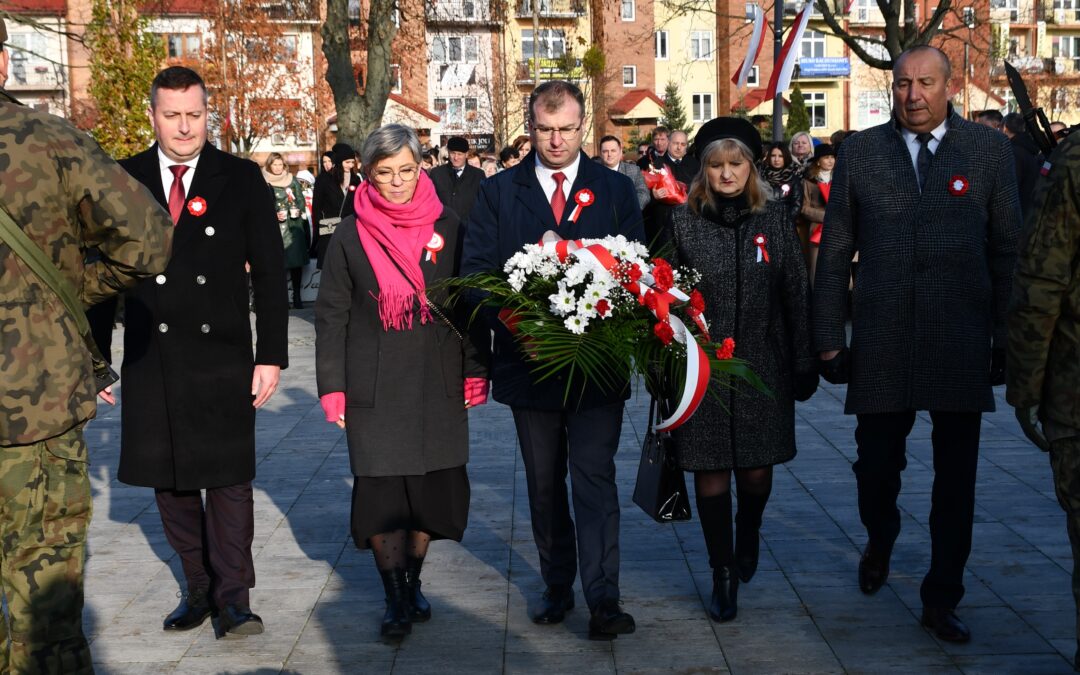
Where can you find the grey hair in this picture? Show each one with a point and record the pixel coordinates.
(387, 141)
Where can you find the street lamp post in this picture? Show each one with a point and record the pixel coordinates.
(778, 46)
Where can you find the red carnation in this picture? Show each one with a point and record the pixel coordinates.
(650, 300)
(663, 275)
(603, 307)
(727, 349)
(634, 272)
(697, 301)
(664, 332)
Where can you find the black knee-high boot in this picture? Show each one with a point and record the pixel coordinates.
(396, 623)
(715, 515)
(419, 607)
(747, 532)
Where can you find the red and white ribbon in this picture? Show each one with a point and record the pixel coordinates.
(582, 198)
(433, 247)
(760, 241)
(781, 77)
(753, 50)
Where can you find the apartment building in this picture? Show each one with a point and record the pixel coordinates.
(38, 74)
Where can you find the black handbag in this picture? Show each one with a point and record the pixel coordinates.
(660, 490)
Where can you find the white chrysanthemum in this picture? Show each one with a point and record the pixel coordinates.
(586, 307)
(576, 273)
(517, 280)
(576, 324)
(563, 302)
(547, 268)
(598, 289)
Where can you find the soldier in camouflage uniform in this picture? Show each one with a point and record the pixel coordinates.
(1044, 336)
(67, 195)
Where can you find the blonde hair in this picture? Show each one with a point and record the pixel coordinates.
(757, 191)
(273, 157)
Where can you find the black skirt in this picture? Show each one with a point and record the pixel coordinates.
(436, 503)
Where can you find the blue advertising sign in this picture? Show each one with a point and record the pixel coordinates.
(829, 66)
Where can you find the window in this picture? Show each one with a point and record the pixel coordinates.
(456, 112)
(626, 10)
(815, 106)
(395, 78)
(701, 105)
(454, 49)
(552, 44)
(813, 45)
(969, 17)
(1067, 47)
(629, 76)
(752, 78)
(661, 45)
(29, 60)
(183, 45)
(287, 47)
(873, 109)
(701, 45)
(862, 10)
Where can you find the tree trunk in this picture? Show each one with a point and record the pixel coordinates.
(358, 114)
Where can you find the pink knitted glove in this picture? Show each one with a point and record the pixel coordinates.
(476, 391)
(333, 404)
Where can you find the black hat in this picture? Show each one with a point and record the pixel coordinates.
(727, 127)
(457, 144)
(824, 150)
(342, 152)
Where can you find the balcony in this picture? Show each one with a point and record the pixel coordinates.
(1061, 17)
(552, 9)
(1034, 65)
(30, 75)
(460, 13)
(550, 69)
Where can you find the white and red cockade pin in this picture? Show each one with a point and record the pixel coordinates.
(582, 198)
(785, 189)
(762, 254)
(196, 206)
(958, 185)
(433, 247)
(1045, 170)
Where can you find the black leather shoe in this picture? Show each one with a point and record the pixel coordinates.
(419, 607)
(945, 624)
(723, 605)
(554, 604)
(873, 569)
(192, 612)
(609, 621)
(239, 620)
(396, 623)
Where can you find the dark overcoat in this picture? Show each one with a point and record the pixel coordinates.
(457, 193)
(328, 200)
(188, 421)
(511, 211)
(934, 268)
(765, 307)
(404, 389)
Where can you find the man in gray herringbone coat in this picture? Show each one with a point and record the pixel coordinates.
(930, 203)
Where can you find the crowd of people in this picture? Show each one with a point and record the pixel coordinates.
(947, 284)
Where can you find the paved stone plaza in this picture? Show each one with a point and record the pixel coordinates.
(321, 599)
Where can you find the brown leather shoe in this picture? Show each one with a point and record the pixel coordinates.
(945, 624)
(873, 569)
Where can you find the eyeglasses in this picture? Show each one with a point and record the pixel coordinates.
(384, 176)
(568, 133)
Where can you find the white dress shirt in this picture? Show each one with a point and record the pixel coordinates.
(547, 183)
(913, 144)
(167, 174)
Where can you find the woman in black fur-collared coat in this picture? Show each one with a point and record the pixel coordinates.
(753, 279)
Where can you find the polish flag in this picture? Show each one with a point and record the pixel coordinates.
(781, 77)
(756, 42)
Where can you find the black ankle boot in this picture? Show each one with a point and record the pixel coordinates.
(723, 604)
(419, 607)
(395, 623)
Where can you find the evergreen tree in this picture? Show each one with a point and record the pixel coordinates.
(798, 118)
(124, 58)
(674, 115)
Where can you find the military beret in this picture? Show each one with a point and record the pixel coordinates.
(457, 144)
(727, 127)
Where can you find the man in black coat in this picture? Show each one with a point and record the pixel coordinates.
(656, 154)
(1029, 159)
(929, 201)
(456, 183)
(190, 382)
(514, 208)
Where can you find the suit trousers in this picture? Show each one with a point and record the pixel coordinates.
(881, 440)
(213, 542)
(586, 442)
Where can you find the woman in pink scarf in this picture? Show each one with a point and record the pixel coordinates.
(397, 370)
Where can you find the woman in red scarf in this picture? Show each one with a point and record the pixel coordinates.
(816, 184)
(396, 368)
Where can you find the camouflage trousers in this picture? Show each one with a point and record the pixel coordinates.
(1065, 461)
(44, 513)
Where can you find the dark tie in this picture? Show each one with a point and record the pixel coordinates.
(558, 199)
(925, 156)
(176, 193)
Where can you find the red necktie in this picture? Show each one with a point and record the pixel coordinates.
(558, 199)
(176, 193)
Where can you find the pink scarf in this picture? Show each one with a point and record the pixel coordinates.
(393, 237)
